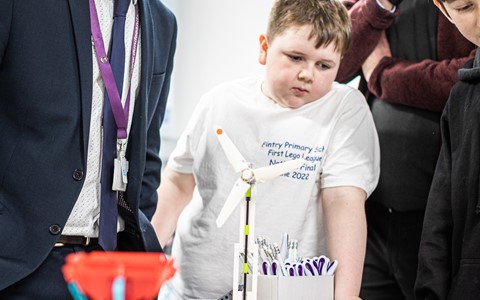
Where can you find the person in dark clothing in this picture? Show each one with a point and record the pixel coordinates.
(56, 85)
(449, 263)
(407, 55)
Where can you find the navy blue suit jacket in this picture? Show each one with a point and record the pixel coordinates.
(45, 107)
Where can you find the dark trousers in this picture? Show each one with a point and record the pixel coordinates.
(46, 282)
(392, 253)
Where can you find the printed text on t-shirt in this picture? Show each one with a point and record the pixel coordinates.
(279, 152)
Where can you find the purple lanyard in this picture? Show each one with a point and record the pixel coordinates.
(120, 113)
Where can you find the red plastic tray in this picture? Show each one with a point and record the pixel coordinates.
(95, 272)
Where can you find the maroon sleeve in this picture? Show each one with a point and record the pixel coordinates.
(368, 22)
(424, 84)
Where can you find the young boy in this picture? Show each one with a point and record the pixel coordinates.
(296, 110)
(449, 263)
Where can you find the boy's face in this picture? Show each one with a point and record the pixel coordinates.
(465, 14)
(296, 72)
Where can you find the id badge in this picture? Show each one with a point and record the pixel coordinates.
(119, 175)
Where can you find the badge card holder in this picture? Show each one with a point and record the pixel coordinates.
(120, 168)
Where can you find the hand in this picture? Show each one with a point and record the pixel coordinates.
(389, 4)
(381, 50)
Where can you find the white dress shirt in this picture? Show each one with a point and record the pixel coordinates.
(84, 218)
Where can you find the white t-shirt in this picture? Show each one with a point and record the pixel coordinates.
(335, 135)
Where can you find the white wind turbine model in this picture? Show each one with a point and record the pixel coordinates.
(242, 189)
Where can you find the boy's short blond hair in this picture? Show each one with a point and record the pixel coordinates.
(329, 19)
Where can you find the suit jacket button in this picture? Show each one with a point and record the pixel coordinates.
(55, 229)
(78, 174)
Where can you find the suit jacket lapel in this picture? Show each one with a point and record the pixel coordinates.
(138, 130)
(80, 14)
(146, 24)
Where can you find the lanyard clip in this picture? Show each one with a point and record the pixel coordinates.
(121, 146)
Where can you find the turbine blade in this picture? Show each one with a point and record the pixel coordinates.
(265, 173)
(235, 196)
(234, 156)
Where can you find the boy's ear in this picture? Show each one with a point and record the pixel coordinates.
(441, 7)
(262, 56)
